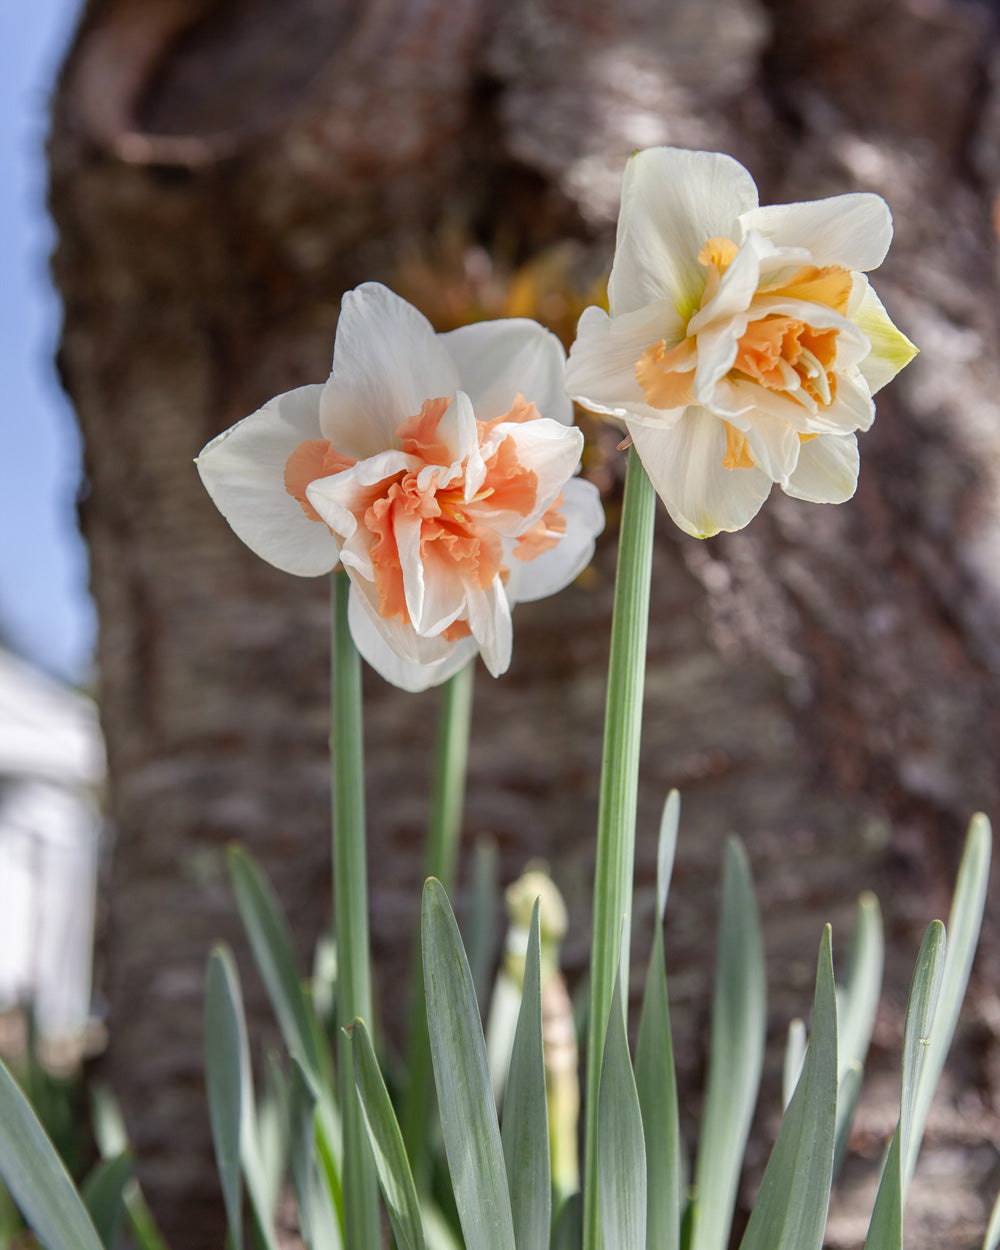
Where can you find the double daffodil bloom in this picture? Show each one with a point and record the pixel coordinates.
(744, 344)
(437, 468)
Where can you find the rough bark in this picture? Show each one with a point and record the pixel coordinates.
(824, 683)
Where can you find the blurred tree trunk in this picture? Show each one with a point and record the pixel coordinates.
(825, 683)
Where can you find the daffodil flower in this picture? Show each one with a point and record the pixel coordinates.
(437, 468)
(744, 343)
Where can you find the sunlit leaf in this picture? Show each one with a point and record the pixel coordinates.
(739, 1018)
(621, 1153)
(791, 1208)
(468, 1113)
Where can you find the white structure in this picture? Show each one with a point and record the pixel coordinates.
(51, 768)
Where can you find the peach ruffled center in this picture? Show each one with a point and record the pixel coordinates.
(457, 536)
(781, 353)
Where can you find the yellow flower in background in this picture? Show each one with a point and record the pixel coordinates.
(744, 344)
(437, 468)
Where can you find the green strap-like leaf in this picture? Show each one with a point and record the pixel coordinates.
(992, 1239)
(227, 1064)
(791, 1208)
(525, 1134)
(270, 940)
(621, 1152)
(318, 1209)
(386, 1139)
(739, 1018)
(885, 1232)
(104, 1193)
(458, 1051)
(36, 1178)
(655, 1076)
(964, 923)
(857, 1008)
(795, 1057)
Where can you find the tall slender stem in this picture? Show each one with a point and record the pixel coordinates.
(350, 895)
(451, 751)
(617, 808)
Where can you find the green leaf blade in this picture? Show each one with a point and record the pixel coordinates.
(791, 1208)
(736, 1055)
(525, 1132)
(621, 1158)
(465, 1097)
(226, 1063)
(36, 1177)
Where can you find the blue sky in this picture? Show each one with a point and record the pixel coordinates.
(45, 611)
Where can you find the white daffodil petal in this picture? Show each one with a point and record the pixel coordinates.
(600, 372)
(852, 407)
(489, 620)
(849, 230)
(827, 471)
(890, 349)
(374, 648)
(685, 466)
(673, 201)
(243, 471)
(774, 446)
(499, 360)
(737, 287)
(562, 564)
(387, 361)
(553, 453)
(339, 498)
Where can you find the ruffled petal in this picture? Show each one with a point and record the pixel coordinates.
(673, 202)
(499, 360)
(849, 230)
(489, 620)
(600, 373)
(827, 471)
(890, 349)
(373, 646)
(387, 361)
(338, 500)
(685, 466)
(243, 470)
(562, 564)
(550, 450)
(774, 446)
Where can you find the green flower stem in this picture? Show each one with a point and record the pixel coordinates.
(451, 751)
(616, 812)
(350, 898)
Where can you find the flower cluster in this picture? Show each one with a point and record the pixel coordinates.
(742, 349)
(437, 468)
(744, 344)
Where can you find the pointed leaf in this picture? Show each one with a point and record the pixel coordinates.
(270, 940)
(795, 1057)
(656, 1083)
(525, 1133)
(857, 1007)
(36, 1177)
(666, 846)
(621, 1153)
(227, 1064)
(458, 1051)
(104, 1193)
(885, 1232)
(318, 1219)
(791, 1208)
(391, 1163)
(964, 923)
(739, 1018)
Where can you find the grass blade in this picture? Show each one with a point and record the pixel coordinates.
(857, 1008)
(458, 1051)
(992, 1239)
(391, 1163)
(525, 1134)
(621, 1157)
(739, 1011)
(36, 1177)
(791, 1208)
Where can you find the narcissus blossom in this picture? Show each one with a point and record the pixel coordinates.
(744, 344)
(437, 468)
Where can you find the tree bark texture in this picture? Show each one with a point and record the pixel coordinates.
(825, 683)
